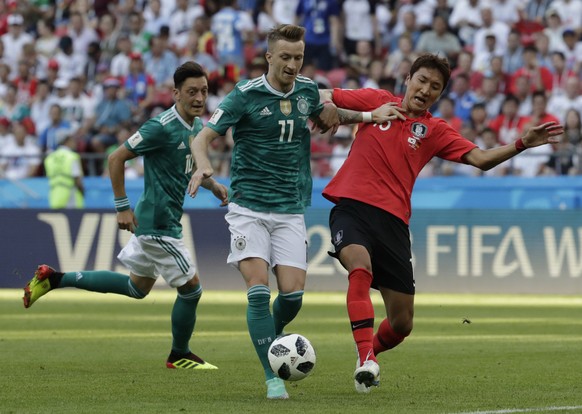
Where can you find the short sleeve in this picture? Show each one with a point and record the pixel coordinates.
(228, 113)
(453, 144)
(149, 137)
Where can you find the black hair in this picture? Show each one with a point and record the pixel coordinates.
(431, 61)
(187, 70)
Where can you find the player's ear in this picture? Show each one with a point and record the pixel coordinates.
(268, 56)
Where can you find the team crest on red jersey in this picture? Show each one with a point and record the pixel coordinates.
(419, 130)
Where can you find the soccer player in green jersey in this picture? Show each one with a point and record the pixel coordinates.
(156, 247)
(270, 183)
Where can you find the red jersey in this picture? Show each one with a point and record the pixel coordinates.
(385, 159)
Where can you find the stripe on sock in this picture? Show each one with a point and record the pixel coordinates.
(134, 291)
(195, 294)
(258, 290)
(364, 323)
(292, 296)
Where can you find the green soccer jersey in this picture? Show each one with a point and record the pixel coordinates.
(164, 142)
(270, 167)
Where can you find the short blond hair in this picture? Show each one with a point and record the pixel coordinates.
(287, 32)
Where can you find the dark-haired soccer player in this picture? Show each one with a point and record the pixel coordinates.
(372, 190)
(156, 248)
(270, 184)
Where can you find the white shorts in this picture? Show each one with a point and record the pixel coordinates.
(278, 239)
(155, 256)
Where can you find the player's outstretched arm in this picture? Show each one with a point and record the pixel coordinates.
(116, 164)
(534, 137)
(384, 113)
(199, 149)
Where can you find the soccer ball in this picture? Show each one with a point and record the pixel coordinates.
(291, 357)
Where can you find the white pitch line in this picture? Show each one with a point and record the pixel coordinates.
(527, 410)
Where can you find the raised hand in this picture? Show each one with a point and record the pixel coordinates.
(543, 134)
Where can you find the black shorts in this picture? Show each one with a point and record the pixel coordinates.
(385, 236)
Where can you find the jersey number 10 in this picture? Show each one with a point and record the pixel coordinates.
(189, 164)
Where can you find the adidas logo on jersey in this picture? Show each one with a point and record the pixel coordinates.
(265, 112)
(181, 146)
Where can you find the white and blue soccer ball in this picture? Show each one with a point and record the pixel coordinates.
(292, 357)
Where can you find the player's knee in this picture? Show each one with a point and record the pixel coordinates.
(402, 326)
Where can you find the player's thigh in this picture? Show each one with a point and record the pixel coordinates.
(351, 234)
(171, 259)
(142, 270)
(249, 237)
(288, 240)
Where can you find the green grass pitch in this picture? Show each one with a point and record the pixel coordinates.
(81, 352)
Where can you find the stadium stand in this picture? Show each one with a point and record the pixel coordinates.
(58, 63)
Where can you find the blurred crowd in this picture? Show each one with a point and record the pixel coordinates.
(94, 70)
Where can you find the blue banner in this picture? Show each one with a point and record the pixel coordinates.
(478, 251)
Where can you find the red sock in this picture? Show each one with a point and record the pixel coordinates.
(386, 338)
(361, 312)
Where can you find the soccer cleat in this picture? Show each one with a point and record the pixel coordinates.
(188, 361)
(367, 376)
(276, 389)
(39, 285)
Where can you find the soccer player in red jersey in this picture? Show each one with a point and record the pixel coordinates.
(372, 191)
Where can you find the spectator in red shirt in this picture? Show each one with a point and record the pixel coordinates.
(372, 191)
(539, 77)
(508, 124)
(539, 113)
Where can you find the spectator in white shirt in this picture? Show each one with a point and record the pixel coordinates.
(181, 21)
(559, 104)
(70, 64)
(78, 107)
(81, 33)
(570, 12)
(506, 11)
(120, 62)
(155, 17)
(40, 108)
(20, 157)
(284, 11)
(14, 40)
(491, 26)
(466, 19)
